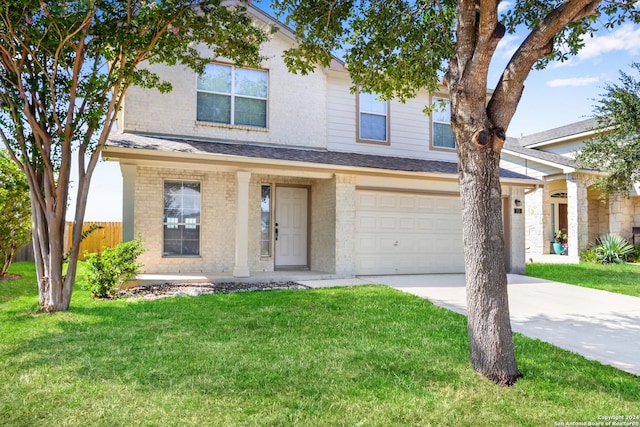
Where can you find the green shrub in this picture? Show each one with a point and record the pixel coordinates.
(108, 270)
(589, 256)
(612, 249)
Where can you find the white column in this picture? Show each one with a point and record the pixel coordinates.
(578, 214)
(241, 267)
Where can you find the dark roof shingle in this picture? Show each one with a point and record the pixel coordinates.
(250, 150)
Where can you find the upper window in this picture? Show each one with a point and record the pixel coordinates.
(373, 118)
(181, 218)
(441, 125)
(232, 95)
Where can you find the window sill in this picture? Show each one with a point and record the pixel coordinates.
(234, 127)
(373, 142)
(181, 256)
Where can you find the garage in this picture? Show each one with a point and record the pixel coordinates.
(408, 233)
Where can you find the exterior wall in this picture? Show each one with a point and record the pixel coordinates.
(566, 148)
(621, 216)
(296, 115)
(515, 221)
(598, 215)
(409, 132)
(526, 167)
(218, 220)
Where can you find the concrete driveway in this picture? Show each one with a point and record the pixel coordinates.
(599, 325)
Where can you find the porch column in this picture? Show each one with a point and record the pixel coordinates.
(578, 214)
(345, 211)
(537, 225)
(241, 267)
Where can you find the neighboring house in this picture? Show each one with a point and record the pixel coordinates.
(566, 199)
(240, 171)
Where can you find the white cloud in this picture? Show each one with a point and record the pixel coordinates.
(625, 38)
(504, 5)
(508, 46)
(573, 82)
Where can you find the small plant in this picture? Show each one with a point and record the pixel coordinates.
(109, 269)
(612, 248)
(560, 237)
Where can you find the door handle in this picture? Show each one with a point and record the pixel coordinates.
(276, 230)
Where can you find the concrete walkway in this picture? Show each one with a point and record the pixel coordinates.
(599, 325)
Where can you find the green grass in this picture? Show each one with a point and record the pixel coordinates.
(618, 278)
(368, 356)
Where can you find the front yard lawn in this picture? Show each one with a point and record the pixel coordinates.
(618, 278)
(367, 356)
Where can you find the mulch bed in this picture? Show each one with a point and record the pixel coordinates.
(194, 289)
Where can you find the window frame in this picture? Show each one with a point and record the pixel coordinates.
(169, 223)
(232, 96)
(387, 115)
(432, 126)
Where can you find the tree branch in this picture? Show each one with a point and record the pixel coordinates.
(538, 44)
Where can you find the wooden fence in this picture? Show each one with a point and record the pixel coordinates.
(108, 235)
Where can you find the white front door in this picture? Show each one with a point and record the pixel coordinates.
(291, 227)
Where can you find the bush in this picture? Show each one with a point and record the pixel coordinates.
(108, 270)
(589, 256)
(15, 211)
(612, 249)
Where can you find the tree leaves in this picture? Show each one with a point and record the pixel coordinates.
(616, 149)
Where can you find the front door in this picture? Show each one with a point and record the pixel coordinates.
(291, 227)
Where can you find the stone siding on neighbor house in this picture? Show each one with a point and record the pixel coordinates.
(598, 218)
(537, 217)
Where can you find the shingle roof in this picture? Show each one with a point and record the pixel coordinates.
(316, 156)
(559, 132)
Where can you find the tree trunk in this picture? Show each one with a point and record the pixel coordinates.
(489, 326)
(48, 244)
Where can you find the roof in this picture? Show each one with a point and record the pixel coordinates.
(307, 155)
(572, 129)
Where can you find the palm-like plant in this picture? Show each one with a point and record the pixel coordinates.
(612, 248)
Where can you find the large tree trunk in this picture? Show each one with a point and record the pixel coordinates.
(48, 243)
(489, 327)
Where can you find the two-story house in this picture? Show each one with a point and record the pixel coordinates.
(566, 198)
(239, 171)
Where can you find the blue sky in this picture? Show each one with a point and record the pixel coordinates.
(563, 93)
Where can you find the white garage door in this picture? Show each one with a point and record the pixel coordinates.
(405, 233)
